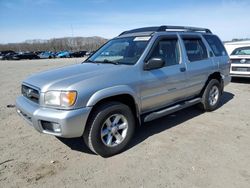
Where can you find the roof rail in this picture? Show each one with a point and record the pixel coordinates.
(166, 28)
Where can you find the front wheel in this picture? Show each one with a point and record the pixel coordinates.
(109, 129)
(211, 96)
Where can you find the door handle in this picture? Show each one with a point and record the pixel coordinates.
(182, 69)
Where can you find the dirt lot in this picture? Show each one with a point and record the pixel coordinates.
(186, 149)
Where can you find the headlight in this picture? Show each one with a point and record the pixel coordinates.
(60, 98)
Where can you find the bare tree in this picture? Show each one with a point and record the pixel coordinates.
(57, 44)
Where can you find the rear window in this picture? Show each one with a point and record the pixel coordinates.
(195, 48)
(241, 51)
(216, 45)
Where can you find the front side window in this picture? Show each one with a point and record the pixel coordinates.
(167, 50)
(195, 48)
(241, 51)
(121, 51)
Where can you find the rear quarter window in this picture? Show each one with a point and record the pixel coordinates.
(195, 48)
(216, 45)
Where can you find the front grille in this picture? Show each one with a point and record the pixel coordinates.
(241, 69)
(30, 93)
(240, 61)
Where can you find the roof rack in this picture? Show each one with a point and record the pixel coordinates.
(167, 28)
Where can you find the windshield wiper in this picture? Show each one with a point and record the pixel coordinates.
(89, 61)
(108, 61)
(105, 61)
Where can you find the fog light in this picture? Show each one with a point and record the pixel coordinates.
(56, 127)
(51, 126)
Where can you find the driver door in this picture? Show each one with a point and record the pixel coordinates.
(164, 86)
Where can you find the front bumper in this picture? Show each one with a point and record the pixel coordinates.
(71, 122)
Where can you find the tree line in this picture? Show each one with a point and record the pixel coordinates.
(57, 44)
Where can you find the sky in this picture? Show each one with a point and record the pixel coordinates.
(22, 20)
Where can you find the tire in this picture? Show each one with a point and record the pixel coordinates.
(102, 120)
(211, 96)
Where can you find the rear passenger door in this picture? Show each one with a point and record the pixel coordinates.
(198, 63)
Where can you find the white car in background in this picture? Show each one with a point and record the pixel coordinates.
(239, 57)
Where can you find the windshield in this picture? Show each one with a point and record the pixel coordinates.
(121, 51)
(241, 51)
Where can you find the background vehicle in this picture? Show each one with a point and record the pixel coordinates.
(63, 54)
(25, 55)
(78, 54)
(4, 53)
(9, 56)
(141, 75)
(38, 52)
(239, 58)
(89, 53)
(231, 46)
(46, 55)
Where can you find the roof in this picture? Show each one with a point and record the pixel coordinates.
(165, 28)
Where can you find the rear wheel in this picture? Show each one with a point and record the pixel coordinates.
(211, 96)
(109, 129)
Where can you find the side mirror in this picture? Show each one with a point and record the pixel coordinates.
(154, 63)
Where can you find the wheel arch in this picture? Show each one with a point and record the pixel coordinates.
(215, 75)
(122, 94)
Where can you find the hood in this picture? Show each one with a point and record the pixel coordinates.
(64, 78)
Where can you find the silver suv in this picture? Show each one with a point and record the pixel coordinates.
(141, 75)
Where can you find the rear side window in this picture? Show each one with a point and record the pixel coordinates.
(216, 45)
(195, 48)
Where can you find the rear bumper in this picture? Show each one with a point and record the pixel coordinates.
(71, 122)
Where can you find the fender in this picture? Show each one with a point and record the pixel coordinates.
(113, 91)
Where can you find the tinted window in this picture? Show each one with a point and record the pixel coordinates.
(216, 45)
(168, 50)
(241, 51)
(195, 48)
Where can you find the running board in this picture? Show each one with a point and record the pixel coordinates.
(172, 109)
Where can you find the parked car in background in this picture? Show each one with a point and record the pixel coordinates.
(151, 72)
(4, 53)
(46, 55)
(63, 54)
(38, 52)
(89, 53)
(9, 56)
(231, 46)
(240, 58)
(25, 55)
(78, 54)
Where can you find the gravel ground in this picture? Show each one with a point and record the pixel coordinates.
(185, 149)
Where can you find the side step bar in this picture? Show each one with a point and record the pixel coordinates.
(172, 109)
